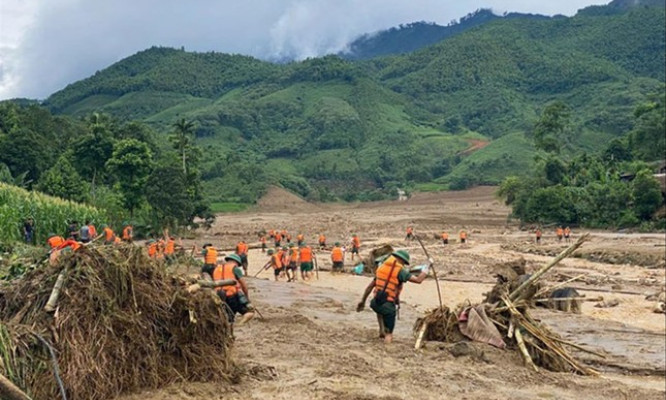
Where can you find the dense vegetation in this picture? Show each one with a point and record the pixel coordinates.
(330, 128)
(124, 169)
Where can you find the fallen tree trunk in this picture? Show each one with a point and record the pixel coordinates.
(10, 391)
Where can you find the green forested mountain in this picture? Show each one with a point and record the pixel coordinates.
(330, 127)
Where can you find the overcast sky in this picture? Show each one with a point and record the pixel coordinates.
(47, 44)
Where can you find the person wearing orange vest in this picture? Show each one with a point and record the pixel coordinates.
(538, 235)
(292, 266)
(567, 234)
(54, 240)
(92, 229)
(170, 250)
(387, 284)
(338, 258)
(242, 249)
(65, 246)
(152, 248)
(276, 262)
(128, 233)
(284, 254)
(107, 233)
(322, 241)
(271, 233)
(410, 233)
(445, 238)
(356, 245)
(288, 237)
(299, 239)
(236, 297)
(210, 259)
(305, 260)
(278, 239)
(463, 237)
(560, 233)
(262, 240)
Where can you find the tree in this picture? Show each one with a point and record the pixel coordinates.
(62, 180)
(130, 164)
(181, 139)
(168, 196)
(549, 129)
(647, 194)
(23, 151)
(647, 139)
(92, 151)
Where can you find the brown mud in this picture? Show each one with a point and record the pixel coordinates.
(312, 344)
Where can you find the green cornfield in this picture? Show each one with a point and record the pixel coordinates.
(50, 214)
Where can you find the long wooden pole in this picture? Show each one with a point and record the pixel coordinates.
(514, 295)
(434, 272)
(10, 391)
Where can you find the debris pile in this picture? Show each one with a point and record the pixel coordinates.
(105, 321)
(504, 320)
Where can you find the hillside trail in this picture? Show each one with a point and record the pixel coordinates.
(311, 344)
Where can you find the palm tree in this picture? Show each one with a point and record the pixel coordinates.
(181, 139)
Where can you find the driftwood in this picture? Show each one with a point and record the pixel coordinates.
(536, 276)
(419, 339)
(593, 299)
(10, 391)
(55, 293)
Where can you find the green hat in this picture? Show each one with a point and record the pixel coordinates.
(51, 234)
(303, 244)
(402, 254)
(337, 243)
(150, 241)
(291, 245)
(285, 248)
(270, 252)
(234, 257)
(353, 234)
(103, 226)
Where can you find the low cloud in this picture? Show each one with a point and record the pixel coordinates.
(45, 45)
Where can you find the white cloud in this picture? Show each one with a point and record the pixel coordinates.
(45, 45)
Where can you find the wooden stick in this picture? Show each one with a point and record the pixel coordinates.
(55, 293)
(434, 272)
(316, 267)
(523, 349)
(594, 299)
(213, 284)
(551, 288)
(10, 391)
(419, 339)
(577, 346)
(514, 295)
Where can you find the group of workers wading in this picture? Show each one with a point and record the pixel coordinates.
(560, 233)
(462, 235)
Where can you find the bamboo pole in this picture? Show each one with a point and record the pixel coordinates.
(536, 276)
(10, 391)
(419, 339)
(55, 293)
(593, 299)
(434, 272)
(523, 349)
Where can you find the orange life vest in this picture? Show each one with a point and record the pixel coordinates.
(241, 248)
(388, 272)
(463, 235)
(410, 230)
(567, 231)
(108, 235)
(55, 241)
(285, 257)
(211, 255)
(299, 237)
(288, 237)
(170, 247)
(262, 239)
(278, 237)
(223, 272)
(271, 233)
(322, 239)
(117, 240)
(559, 232)
(336, 254)
(127, 232)
(276, 260)
(306, 254)
(356, 242)
(294, 256)
(93, 231)
(152, 250)
(538, 233)
(445, 236)
(69, 243)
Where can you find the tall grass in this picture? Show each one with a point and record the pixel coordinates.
(49, 213)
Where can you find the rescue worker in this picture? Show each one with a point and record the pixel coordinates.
(445, 238)
(64, 247)
(463, 237)
(170, 250)
(356, 245)
(538, 235)
(322, 241)
(284, 259)
(560, 233)
(262, 240)
(387, 284)
(210, 259)
(236, 297)
(305, 260)
(128, 233)
(29, 230)
(107, 234)
(93, 230)
(73, 230)
(54, 240)
(300, 239)
(567, 234)
(288, 237)
(242, 249)
(84, 233)
(293, 263)
(278, 239)
(276, 263)
(152, 248)
(410, 233)
(338, 258)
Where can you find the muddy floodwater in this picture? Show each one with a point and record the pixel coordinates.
(310, 343)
